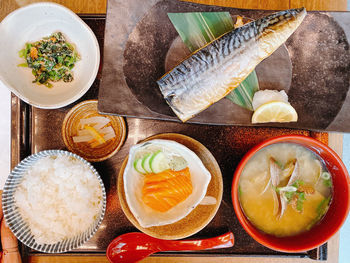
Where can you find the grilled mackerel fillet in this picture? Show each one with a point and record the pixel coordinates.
(217, 68)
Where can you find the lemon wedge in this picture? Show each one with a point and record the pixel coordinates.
(97, 136)
(275, 111)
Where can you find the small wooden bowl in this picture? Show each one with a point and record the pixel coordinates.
(201, 215)
(86, 109)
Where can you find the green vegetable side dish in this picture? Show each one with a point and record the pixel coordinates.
(51, 59)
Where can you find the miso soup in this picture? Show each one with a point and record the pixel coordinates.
(285, 189)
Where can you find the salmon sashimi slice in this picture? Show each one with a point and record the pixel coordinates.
(165, 190)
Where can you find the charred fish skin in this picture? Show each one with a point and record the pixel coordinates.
(217, 68)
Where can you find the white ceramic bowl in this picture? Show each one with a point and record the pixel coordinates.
(21, 229)
(31, 23)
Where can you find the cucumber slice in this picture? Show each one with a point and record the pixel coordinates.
(138, 166)
(145, 163)
(159, 162)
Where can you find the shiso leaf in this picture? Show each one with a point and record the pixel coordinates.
(198, 29)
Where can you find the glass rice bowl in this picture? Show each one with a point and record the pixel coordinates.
(327, 226)
(88, 185)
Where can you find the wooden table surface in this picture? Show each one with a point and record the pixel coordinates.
(335, 139)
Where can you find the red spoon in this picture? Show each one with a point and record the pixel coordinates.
(133, 247)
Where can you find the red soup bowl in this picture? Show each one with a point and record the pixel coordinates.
(335, 215)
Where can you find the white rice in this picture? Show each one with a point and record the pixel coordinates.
(59, 197)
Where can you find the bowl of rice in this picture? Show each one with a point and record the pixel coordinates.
(54, 201)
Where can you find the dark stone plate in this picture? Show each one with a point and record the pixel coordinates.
(313, 66)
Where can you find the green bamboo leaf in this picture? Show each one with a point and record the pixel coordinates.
(197, 29)
(244, 93)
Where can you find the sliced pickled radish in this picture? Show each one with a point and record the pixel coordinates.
(82, 138)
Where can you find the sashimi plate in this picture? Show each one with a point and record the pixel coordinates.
(201, 215)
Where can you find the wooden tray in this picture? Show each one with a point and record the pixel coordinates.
(35, 129)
